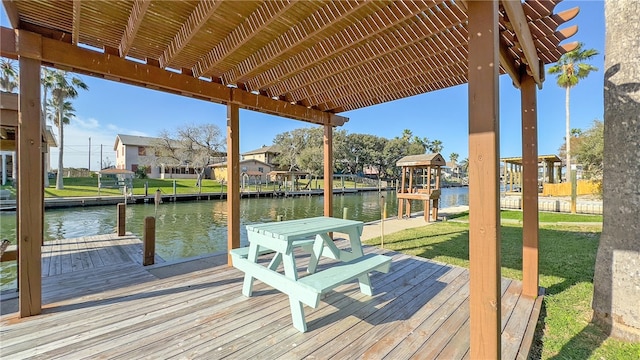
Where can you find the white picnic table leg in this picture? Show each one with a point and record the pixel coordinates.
(275, 262)
(247, 286)
(356, 250)
(297, 310)
(316, 252)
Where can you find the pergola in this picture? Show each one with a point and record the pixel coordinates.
(514, 165)
(304, 60)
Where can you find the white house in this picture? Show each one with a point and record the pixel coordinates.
(133, 152)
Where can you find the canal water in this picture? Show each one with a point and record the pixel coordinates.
(185, 229)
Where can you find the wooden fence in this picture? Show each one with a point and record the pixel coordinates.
(585, 187)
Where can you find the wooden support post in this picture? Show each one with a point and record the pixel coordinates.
(328, 170)
(233, 179)
(408, 211)
(510, 177)
(484, 196)
(149, 241)
(434, 210)
(401, 191)
(529, 187)
(121, 219)
(30, 176)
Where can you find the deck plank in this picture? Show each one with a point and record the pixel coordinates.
(116, 309)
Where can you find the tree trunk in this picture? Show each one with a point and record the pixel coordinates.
(616, 297)
(568, 135)
(59, 183)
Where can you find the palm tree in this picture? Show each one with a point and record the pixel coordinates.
(454, 159)
(47, 81)
(9, 76)
(63, 88)
(615, 279)
(436, 146)
(570, 69)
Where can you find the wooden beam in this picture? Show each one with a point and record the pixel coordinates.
(12, 13)
(328, 170)
(75, 32)
(265, 104)
(190, 27)
(233, 178)
(133, 24)
(484, 194)
(30, 195)
(508, 63)
(518, 20)
(92, 63)
(529, 187)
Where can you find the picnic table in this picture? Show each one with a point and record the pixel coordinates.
(313, 235)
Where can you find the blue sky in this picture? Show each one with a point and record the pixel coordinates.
(110, 108)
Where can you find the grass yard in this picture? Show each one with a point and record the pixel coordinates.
(544, 217)
(89, 187)
(567, 260)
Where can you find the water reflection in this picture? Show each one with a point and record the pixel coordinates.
(185, 229)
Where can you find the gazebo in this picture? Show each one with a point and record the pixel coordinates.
(429, 166)
(308, 61)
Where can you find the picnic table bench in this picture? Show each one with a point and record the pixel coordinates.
(282, 238)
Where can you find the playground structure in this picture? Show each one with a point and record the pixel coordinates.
(428, 168)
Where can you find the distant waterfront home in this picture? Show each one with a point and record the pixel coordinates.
(266, 154)
(254, 171)
(133, 152)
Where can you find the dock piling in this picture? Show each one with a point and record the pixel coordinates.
(149, 241)
(121, 219)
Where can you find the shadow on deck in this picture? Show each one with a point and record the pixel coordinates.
(420, 310)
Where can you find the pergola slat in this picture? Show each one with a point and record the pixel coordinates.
(374, 50)
(75, 34)
(133, 24)
(368, 30)
(189, 29)
(331, 18)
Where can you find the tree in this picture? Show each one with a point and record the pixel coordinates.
(64, 87)
(60, 115)
(436, 146)
(590, 150)
(202, 143)
(9, 76)
(454, 159)
(47, 80)
(616, 281)
(570, 69)
(193, 146)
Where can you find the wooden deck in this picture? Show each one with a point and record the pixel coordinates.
(91, 252)
(420, 310)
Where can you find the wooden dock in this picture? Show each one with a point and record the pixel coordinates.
(420, 310)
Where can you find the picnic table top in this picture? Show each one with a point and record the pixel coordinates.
(300, 228)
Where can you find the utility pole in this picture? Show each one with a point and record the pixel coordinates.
(101, 163)
(89, 168)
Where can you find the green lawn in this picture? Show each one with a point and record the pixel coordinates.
(567, 260)
(89, 187)
(544, 217)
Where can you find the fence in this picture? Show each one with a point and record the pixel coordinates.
(585, 187)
